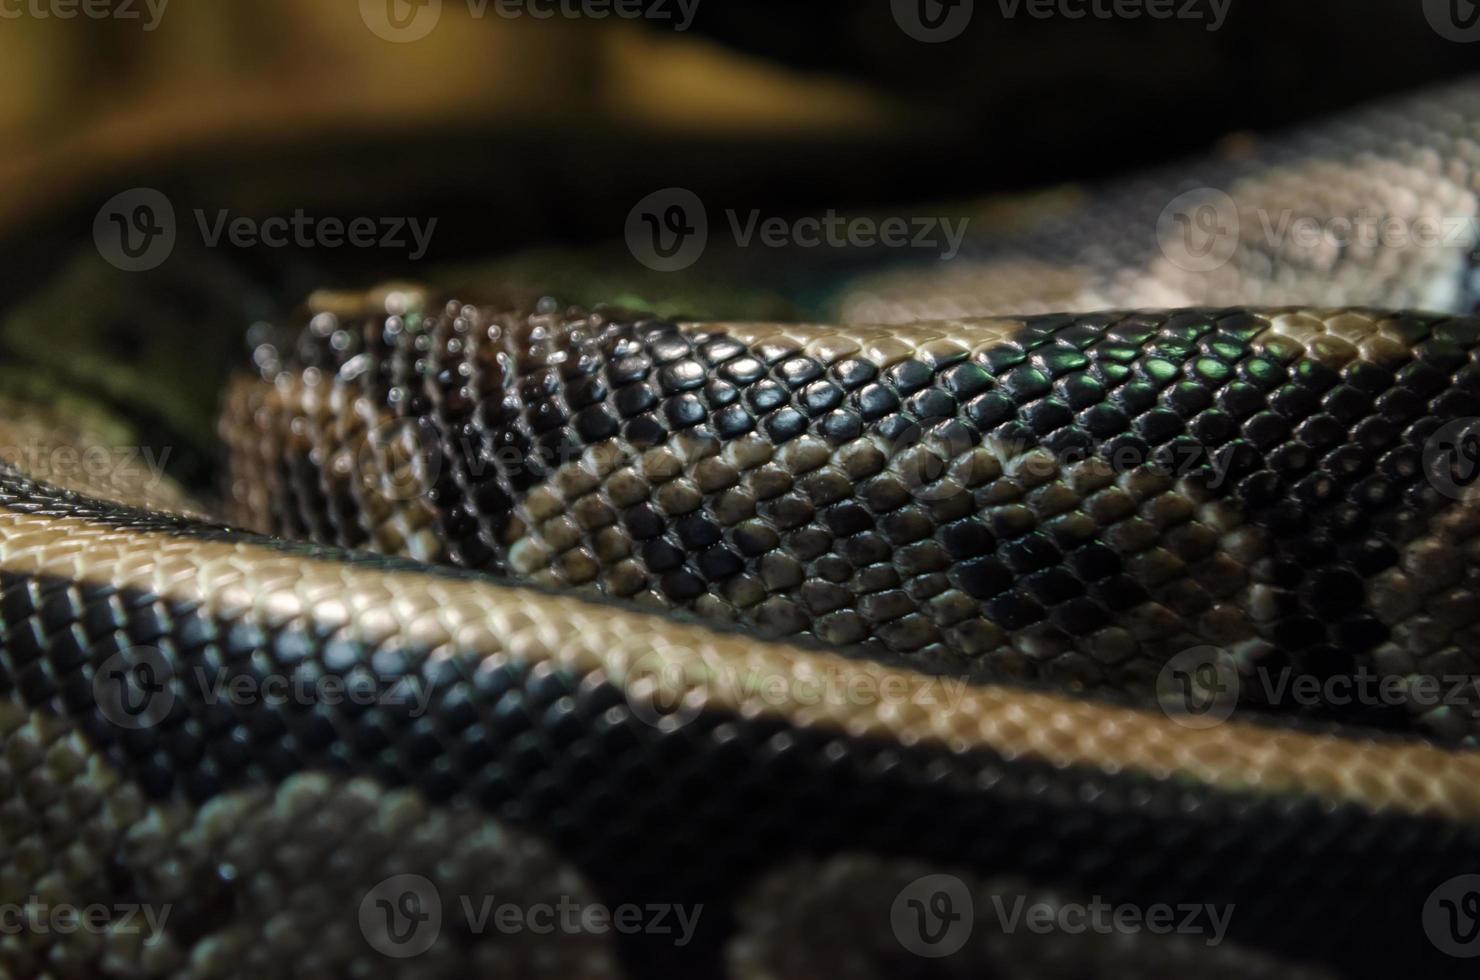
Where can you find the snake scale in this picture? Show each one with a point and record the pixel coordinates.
(788, 650)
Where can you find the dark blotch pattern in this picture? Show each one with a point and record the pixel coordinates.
(882, 504)
(694, 813)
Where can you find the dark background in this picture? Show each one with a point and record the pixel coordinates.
(522, 132)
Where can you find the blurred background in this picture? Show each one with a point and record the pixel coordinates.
(529, 130)
(560, 119)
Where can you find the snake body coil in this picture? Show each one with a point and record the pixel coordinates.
(570, 643)
(1079, 499)
(539, 744)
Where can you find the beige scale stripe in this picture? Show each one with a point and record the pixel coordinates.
(1333, 336)
(455, 617)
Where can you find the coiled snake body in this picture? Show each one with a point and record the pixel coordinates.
(815, 649)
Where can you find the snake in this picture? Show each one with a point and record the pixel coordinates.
(1078, 608)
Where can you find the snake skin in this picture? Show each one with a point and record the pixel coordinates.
(653, 756)
(1372, 177)
(1075, 499)
(811, 919)
(804, 650)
